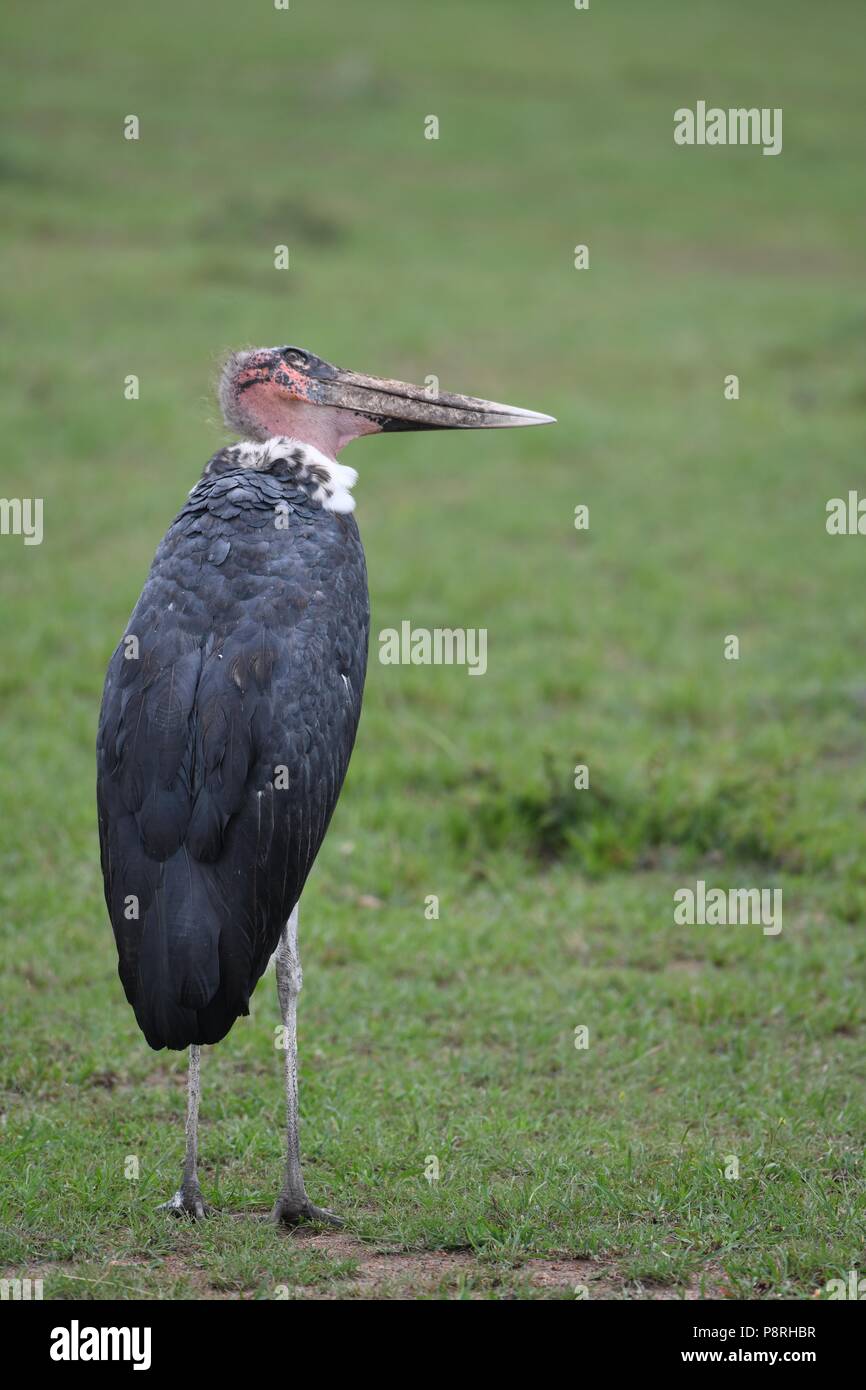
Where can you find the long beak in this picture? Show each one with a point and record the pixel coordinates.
(397, 405)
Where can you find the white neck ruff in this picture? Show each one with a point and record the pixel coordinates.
(334, 480)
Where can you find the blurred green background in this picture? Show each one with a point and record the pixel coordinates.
(455, 1037)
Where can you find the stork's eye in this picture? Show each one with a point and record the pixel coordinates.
(297, 359)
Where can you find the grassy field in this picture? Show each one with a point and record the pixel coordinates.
(601, 1169)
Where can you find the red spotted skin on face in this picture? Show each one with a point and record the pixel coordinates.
(263, 396)
(296, 384)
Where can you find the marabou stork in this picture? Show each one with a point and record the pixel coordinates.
(231, 705)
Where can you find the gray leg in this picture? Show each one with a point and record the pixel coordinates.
(188, 1201)
(293, 1204)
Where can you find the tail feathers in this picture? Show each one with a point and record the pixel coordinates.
(167, 1025)
(190, 987)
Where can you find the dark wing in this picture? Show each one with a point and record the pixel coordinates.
(225, 735)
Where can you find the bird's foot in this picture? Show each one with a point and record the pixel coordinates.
(291, 1210)
(187, 1201)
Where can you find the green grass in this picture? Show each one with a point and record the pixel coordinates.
(455, 1037)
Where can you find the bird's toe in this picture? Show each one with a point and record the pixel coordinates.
(292, 1211)
(187, 1202)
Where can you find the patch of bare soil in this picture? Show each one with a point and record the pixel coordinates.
(406, 1274)
(402, 1275)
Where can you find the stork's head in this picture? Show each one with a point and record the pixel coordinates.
(289, 391)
